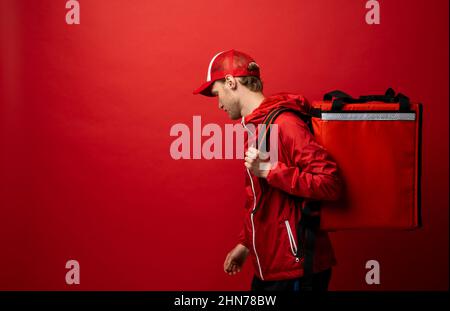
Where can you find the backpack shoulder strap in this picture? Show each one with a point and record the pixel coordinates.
(270, 119)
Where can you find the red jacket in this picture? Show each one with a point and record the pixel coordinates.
(304, 169)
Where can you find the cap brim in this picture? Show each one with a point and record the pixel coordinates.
(205, 89)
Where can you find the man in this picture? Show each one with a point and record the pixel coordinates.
(277, 194)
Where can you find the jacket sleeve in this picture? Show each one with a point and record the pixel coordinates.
(243, 238)
(311, 173)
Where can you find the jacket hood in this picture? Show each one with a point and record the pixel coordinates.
(285, 100)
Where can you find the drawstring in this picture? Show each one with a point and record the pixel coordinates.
(243, 124)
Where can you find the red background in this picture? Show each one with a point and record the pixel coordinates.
(85, 116)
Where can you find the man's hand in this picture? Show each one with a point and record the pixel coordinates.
(253, 162)
(235, 259)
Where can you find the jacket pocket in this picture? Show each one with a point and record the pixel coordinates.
(292, 242)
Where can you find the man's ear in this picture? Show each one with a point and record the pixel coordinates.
(230, 82)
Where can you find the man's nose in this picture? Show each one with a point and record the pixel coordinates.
(220, 106)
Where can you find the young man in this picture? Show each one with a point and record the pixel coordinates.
(277, 194)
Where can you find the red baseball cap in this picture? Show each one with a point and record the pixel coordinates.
(230, 62)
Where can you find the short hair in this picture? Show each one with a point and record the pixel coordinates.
(253, 83)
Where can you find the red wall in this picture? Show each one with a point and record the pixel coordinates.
(85, 114)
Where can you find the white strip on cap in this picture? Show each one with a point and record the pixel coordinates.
(208, 77)
(370, 116)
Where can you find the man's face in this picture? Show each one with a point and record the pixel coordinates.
(228, 100)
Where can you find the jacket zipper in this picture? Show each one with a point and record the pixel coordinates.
(253, 224)
(253, 211)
